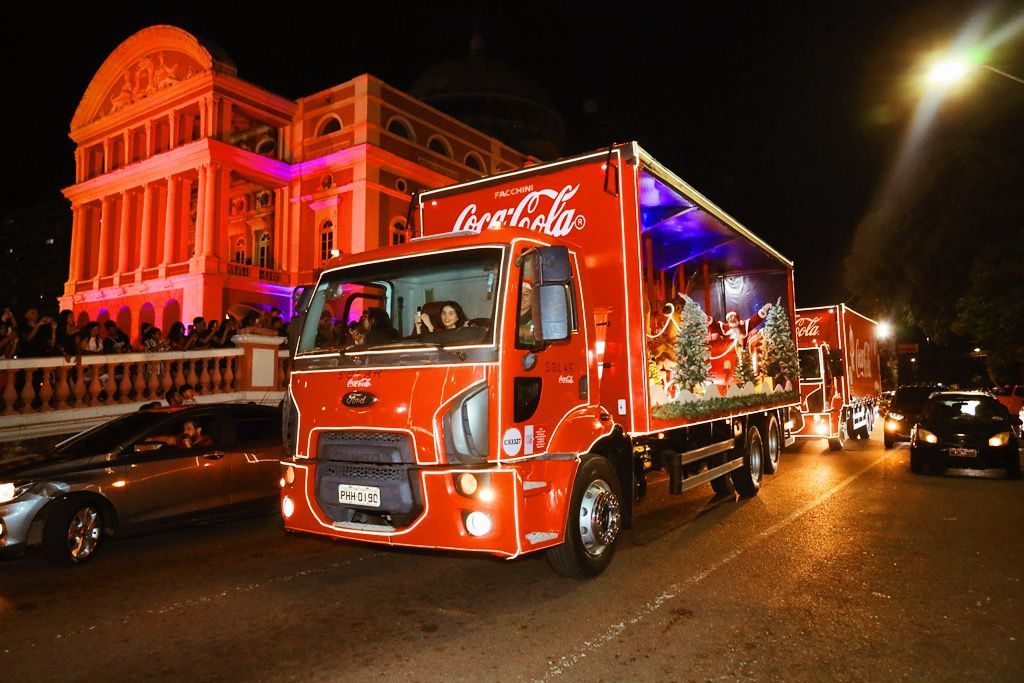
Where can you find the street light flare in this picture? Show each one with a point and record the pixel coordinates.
(947, 71)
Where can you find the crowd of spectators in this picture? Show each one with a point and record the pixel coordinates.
(34, 335)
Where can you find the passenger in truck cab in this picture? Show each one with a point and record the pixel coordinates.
(525, 335)
(376, 325)
(452, 318)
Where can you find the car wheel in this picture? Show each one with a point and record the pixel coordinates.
(772, 446)
(887, 442)
(917, 465)
(73, 531)
(747, 479)
(839, 441)
(1013, 466)
(594, 521)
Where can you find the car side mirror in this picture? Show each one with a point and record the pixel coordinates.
(554, 313)
(148, 447)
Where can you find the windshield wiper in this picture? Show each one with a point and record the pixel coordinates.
(397, 346)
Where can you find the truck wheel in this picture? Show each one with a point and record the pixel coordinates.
(722, 486)
(73, 531)
(747, 479)
(594, 521)
(839, 441)
(887, 442)
(772, 446)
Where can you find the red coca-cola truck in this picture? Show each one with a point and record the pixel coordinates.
(840, 376)
(552, 337)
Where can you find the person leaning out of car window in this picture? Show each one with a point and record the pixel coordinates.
(191, 436)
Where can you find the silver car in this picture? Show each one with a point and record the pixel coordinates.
(151, 469)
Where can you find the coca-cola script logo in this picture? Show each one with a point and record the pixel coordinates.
(358, 399)
(545, 211)
(359, 383)
(807, 327)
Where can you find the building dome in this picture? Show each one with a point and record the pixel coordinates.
(496, 99)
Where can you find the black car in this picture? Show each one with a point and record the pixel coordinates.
(141, 471)
(904, 411)
(966, 429)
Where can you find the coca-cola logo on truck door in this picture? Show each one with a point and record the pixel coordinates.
(547, 211)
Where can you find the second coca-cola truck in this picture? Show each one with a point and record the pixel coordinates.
(840, 376)
(552, 337)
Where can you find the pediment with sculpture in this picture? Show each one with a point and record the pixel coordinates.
(150, 74)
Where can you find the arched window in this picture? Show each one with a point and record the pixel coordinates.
(326, 240)
(439, 145)
(267, 147)
(474, 161)
(263, 250)
(238, 256)
(331, 124)
(400, 233)
(401, 128)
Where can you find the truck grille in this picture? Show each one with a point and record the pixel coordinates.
(400, 498)
(370, 447)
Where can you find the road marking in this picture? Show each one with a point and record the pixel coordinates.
(594, 645)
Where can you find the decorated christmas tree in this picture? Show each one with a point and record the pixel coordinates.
(744, 368)
(693, 354)
(780, 359)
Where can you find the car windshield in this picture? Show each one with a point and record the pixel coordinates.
(964, 409)
(810, 365)
(415, 305)
(105, 437)
(912, 397)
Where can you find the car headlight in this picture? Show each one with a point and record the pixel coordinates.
(895, 416)
(926, 436)
(1000, 439)
(9, 492)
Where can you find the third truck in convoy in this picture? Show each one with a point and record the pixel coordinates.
(840, 376)
(552, 337)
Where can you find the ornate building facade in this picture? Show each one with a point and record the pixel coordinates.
(196, 190)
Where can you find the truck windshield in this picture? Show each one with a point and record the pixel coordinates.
(434, 303)
(810, 365)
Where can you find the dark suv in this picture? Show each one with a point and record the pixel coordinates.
(905, 410)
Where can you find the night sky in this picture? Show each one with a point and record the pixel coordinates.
(786, 114)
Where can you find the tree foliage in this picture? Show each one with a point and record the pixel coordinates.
(693, 353)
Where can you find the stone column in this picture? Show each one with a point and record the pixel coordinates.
(210, 213)
(172, 125)
(170, 222)
(79, 176)
(150, 146)
(201, 202)
(74, 263)
(106, 155)
(146, 228)
(227, 110)
(124, 246)
(103, 252)
(127, 147)
(280, 248)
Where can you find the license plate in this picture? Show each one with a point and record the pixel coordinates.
(963, 453)
(367, 496)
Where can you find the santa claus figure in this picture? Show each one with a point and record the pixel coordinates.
(732, 337)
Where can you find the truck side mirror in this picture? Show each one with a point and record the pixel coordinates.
(554, 265)
(554, 313)
(835, 361)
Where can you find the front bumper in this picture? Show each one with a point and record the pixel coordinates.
(442, 520)
(987, 457)
(818, 426)
(16, 519)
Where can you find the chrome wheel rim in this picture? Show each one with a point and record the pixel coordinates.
(84, 533)
(773, 446)
(600, 517)
(756, 453)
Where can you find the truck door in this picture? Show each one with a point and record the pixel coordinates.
(549, 366)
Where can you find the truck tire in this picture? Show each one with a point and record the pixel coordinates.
(593, 523)
(772, 446)
(722, 486)
(837, 443)
(73, 531)
(747, 479)
(887, 442)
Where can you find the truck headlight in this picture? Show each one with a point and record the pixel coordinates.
(10, 491)
(1000, 439)
(466, 427)
(926, 436)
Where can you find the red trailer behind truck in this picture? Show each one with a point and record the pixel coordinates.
(607, 321)
(840, 377)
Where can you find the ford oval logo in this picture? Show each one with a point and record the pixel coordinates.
(358, 399)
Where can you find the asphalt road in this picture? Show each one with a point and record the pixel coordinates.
(846, 567)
